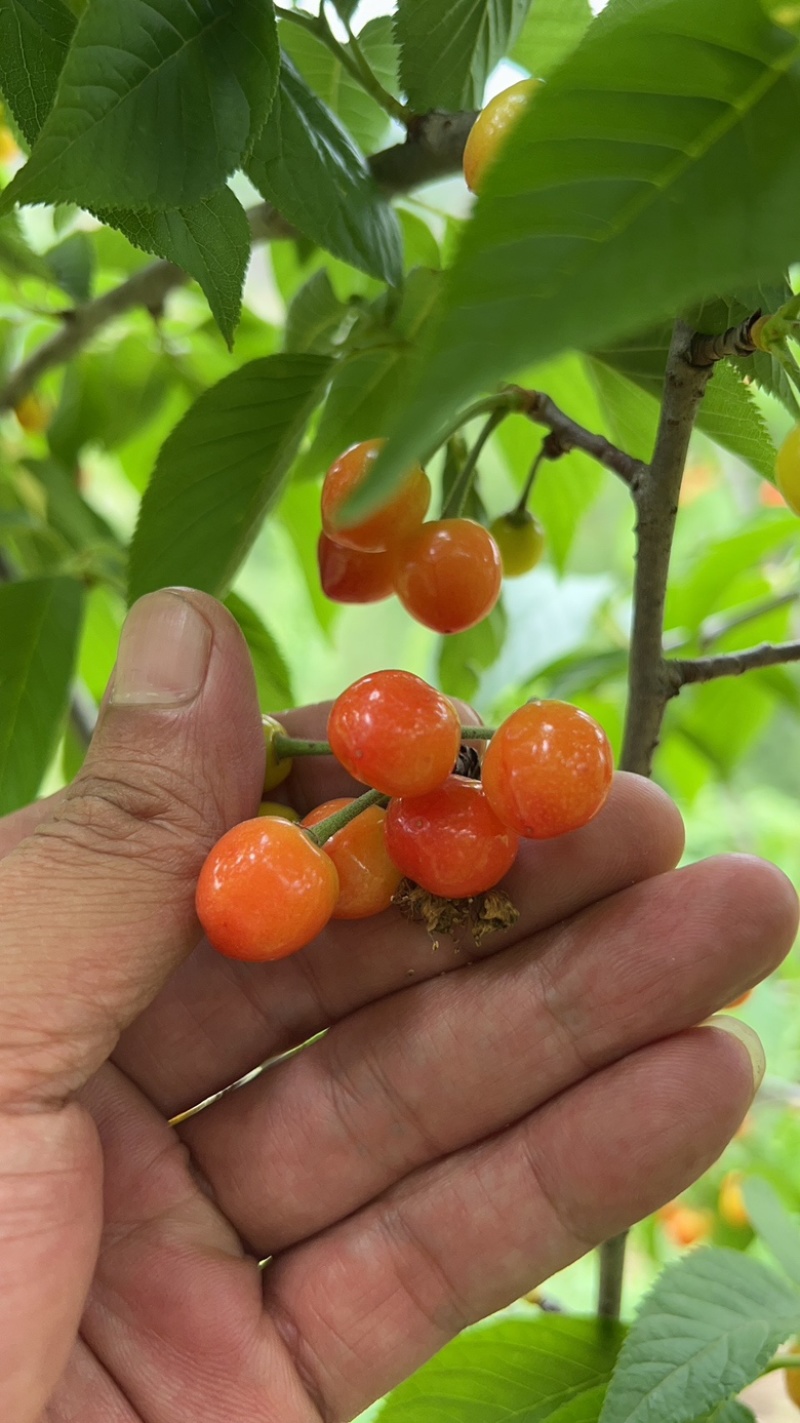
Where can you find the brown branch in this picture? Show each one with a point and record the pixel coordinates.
(683, 671)
(433, 149)
(571, 436)
(736, 341)
(649, 691)
(657, 506)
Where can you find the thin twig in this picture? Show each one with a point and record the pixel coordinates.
(736, 341)
(683, 671)
(433, 148)
(718, 627)
(572, 436)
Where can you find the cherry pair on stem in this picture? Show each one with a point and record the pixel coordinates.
(455, 1137)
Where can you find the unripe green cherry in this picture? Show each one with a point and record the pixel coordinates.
(276, 769)
(520, 539)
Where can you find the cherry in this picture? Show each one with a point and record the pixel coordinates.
(403, 511)
(265, 891)
(394, 732)
(492, 127)
(787, 469)
(274, 808)
(349, 575)
(450, 841)
(367, 877)
(731, 1203)
(33, 414)
(275, 770)
(520, 539)
(547, 769)
(448, 575)
(684, 1225)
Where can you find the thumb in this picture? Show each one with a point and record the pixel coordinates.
(97, 907)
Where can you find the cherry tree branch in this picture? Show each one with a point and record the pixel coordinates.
(433, 149)
(683, 671)
(569, 435)
(736, 341)
(649, 687)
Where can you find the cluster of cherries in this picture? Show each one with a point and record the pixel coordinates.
(270, 885)
(447, 573)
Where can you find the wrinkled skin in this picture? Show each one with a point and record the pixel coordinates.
(459, 1134)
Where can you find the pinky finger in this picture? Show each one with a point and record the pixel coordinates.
(368, 1301)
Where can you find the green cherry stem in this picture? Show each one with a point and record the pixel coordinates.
(457, 498)
(287, 747)
(522, 502)
(324, 829)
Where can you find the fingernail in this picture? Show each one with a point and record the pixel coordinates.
(749, 1040)
(163, 653)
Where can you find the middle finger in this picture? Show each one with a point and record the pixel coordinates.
(217, 1019)
(435, 1068)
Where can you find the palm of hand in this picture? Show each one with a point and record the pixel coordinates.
(459, 1134)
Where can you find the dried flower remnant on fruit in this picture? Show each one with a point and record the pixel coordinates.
(482, 914)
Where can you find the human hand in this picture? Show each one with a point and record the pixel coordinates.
(458, 1135)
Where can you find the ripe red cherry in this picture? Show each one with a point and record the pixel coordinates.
(367, 877)
(403, 511)
(394, 732)
(547, 769)
(448, 575)
(265, 891)
(349, 575)
(450, 841)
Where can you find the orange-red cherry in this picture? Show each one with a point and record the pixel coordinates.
(449, 574)
(394, 732)
(265, 891)
(547, 769)
(367, 877)
(450, 841)
(349, 575)
(403, 511)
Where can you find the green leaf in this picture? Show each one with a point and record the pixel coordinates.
(551, 32)
(72, 265)
(583, 1409)
(307, 165)
(315, 317)
(210, 240)
(220, 471)
(773, 1224)
(35, 36)
(517, 1368)
(368, 386)
(580, 235)
(447, 52)
(78, 524)
(106, 398)
(706, 1330)
(631, 411)
(345, 9)
(273, 678)
(156, 105)
(465, 655)
(363, 118)
(41, 621)
(731, 1411)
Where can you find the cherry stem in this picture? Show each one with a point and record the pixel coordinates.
(324, 829)
(522, 502)
(457, 498)
(287, 747)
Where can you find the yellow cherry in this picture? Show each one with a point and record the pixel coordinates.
(520, 539)
(491, 128)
